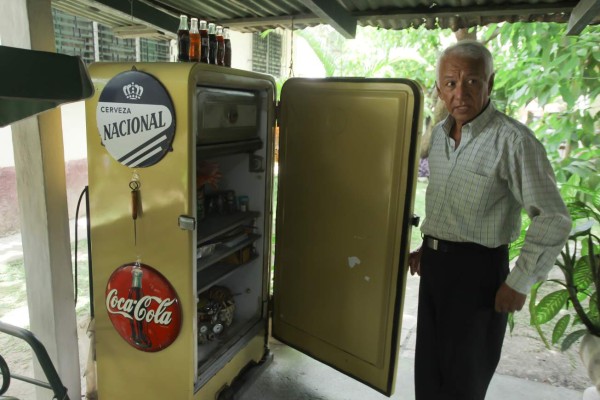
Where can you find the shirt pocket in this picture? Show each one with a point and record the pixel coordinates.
(472, 191)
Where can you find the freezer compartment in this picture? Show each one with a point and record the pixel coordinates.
(226, 115)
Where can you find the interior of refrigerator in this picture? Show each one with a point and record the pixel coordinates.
(234, 177)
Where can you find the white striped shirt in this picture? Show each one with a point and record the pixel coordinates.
(477, 191)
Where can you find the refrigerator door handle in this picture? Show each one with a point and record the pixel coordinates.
(187, 223)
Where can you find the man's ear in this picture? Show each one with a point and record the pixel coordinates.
(491, 83)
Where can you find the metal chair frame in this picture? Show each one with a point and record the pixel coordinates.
(54, 383)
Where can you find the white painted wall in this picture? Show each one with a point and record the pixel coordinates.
(7, 158)
(74, 128)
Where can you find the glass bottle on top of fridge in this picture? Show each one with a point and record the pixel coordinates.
(194, 51)
(227, 40)
(203, 42)
(183, 39)
(212, 43)
(220, 46)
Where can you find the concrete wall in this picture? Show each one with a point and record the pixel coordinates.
(73, 122)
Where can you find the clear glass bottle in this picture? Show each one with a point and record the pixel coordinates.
(204, 46)
(227, 58)
(212, 43)
(183, 39)
(220, 46)
(194, 52)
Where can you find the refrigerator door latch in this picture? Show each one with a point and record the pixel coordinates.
(415, 220)
(187, 223)
(256, 163)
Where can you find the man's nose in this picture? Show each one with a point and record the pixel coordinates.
(459, 91)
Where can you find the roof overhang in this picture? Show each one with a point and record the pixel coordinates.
(343, 15)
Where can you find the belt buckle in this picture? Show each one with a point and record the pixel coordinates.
(433, 243)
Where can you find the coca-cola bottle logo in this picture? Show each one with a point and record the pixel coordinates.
(143, 307)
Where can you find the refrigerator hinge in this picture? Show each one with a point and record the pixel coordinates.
(277, 113)
(270, 306)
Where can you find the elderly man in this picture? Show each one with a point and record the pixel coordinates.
(484, 169)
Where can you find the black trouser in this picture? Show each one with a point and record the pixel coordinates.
(459, 335)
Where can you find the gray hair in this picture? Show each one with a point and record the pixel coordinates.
(468, 49)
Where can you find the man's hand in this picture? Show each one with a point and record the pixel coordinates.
(509, 300)
(414, 262)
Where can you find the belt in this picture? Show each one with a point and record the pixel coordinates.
(446, 246)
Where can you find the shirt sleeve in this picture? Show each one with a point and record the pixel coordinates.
(532, 182)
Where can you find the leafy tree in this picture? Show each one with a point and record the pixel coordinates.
(556, 80)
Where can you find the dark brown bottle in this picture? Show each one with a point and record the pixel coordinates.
(194, 41)
(227, 58)
(183, 39)
(204, 46)
(220, 46)
(212, 43)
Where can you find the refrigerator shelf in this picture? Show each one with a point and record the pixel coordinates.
(222, 149)
(217, 272)
(223, 251)
(216, 225)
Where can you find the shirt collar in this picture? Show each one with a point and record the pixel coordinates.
(475, 126)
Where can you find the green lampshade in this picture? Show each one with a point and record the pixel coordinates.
(35, 81)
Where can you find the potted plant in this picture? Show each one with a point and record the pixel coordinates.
(572, 305)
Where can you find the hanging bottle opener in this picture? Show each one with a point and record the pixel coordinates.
(135, 185)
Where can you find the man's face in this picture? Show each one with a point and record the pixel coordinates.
(463, 86)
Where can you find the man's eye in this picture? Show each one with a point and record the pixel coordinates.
(472, 81)
(449, 84)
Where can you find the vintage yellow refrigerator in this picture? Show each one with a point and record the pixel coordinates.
(181, 180)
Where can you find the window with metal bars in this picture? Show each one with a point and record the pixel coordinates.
(154, 50)
(75, 36)
(267, 53)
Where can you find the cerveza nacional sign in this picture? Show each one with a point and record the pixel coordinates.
(136, 119)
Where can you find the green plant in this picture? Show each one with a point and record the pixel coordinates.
(573, 307)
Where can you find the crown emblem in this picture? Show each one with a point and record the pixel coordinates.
(133, 91)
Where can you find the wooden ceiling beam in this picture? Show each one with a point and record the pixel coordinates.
(332, 13)
(144, 12)
(583, 13)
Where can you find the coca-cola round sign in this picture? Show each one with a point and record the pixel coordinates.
(143, 307)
